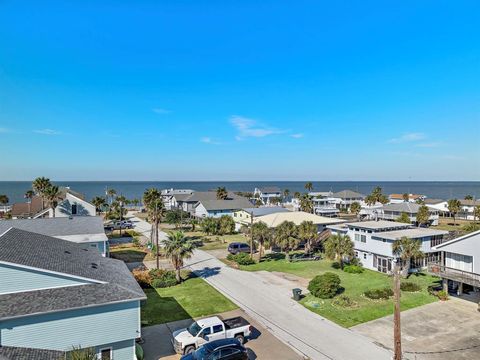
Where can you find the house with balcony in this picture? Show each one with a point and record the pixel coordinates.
(217, 208)
(467, 209)
(325, 206)
(373, 242)
(244, 216)
(345, 198)
(393, 211)
(169, 196)
(54, 295)
(398, 198)
(459, 263)
(267, 193)
(188, 202)
(438, 204)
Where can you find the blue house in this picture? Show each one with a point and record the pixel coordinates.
(55, 294)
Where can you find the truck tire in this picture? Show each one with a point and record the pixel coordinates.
(189, 349)
(240, 338)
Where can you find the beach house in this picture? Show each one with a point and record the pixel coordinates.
(345, 198)
(267, 193)
(394, 211)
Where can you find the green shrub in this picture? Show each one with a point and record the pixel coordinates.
(162, 278)
(436, 290)
(136, 241)
(344, 301)
(324, 286)
(336, 265)
(143, 277)
(410, 287)
(355, 261)
(241, 259)
(353, 269)
(442, 295)
(377, 294)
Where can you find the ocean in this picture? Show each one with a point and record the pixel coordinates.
(134, 189)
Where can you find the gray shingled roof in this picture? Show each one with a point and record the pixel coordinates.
(433, 201)
(204, 196)
(61, 226)
(20, 353)
(212, 205)
(260, 211)
(270, 189)
(347, 194)
(407, 207)
(113, 280)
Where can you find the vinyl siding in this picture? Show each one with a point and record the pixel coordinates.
(16, 279)
(122, 350)
(86, 327)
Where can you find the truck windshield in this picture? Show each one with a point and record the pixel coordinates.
(194, 329)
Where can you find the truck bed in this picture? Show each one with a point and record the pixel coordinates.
(235, 322)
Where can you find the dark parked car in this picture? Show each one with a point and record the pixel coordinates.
(224, 349)
(237, 247)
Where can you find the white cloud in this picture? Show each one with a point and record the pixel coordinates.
(297, 136)
(161, 111)
(409, 137)
(208, 140)
(47, 132)
(250, 128)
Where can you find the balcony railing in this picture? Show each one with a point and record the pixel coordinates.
(454, 274)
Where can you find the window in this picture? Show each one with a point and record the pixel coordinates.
(74, 209)
(106, 354)
(217, 328)
(363, 238)
(207, 331)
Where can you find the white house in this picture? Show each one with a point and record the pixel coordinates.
(218, 208)
(438, 204)
(168, 196)
(373, 242)
(325, 206)
(398, 198)
(468, 207)
(343, 199)
(459, 264)
(393, 211)
(267, 193)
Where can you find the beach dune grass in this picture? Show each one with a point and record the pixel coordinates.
(354, 286)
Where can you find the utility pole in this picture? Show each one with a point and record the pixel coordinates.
(156, 234)
(251, 234)
(397, 332)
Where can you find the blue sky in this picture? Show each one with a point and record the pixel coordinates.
(240, 90)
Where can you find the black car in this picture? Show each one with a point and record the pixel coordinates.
(224, 349)
(238, 247)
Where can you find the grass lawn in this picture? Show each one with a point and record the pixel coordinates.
(221, 242)
(191, 299)
(129, 253)
(354, 286)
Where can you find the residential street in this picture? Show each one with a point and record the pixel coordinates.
(271, 305)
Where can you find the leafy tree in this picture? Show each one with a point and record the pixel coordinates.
(175, 217)
(262, 235)
(222, 193)
(355, 208)
(309, 186)
(4, 199)
(40, 185)
(324, 286)
(178, 248)
(306, 203)
(407, 249)
(52, 195)
(286, 236)
(153, 202)
(338, 247)
(406, 197)
(99, 203)
(226, 225)
(454, 206)
(308, 232)
(423, 215)
(468, 197)
(403, 218)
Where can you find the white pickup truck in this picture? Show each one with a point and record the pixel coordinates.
(185, 341)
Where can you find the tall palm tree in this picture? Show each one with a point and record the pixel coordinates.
(355, 208)
(309, 186)
(111, 195)
(454, 206)
(222, 193)
(306, 203)
(308, 232)
(29, 194)
(178, 248)
(286, 193)
(338, 247)
(404, 250)
(286, 236)
(423, 215)
(297, 195)
(99, 203)
(376, 196)
(52, 195)
(40, 185)
(4, 199)
(153, 202)
(262, 235)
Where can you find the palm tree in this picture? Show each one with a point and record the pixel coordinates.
(286, 236)
(297, 195)
(406, 197)
(52, 195)
(308, 232)
(376, 196)
(355, 208)
(4, 199)
(306, 203)
(454, 206)
(423, 215)
(262, 235)
(476, 213)
(99, 203)
(309, 186)
(403, 218)
(178, 248)
(286, 193)
(404, 249)
(40, 185)
(222, 193)
(338, 247)
(111, 194)
(468, 197)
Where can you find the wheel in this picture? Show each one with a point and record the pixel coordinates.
(189, 350)
(240, 338)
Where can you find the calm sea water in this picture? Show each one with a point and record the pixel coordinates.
(133, 189)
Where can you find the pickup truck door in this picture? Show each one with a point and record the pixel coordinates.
(218, 332)
(203, 336)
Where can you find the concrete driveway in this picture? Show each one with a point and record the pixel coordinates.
(433, 331)
(263, 345)
(269, 302)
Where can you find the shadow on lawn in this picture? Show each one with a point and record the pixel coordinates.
(161, 309)
(273, 257)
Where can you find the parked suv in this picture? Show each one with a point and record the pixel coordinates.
(225, 349)
(237, 247)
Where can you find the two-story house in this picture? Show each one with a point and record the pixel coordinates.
(345, 198)
(267, 193)
(393, 211)
(244, 216)
(218, 208)
(55, 295)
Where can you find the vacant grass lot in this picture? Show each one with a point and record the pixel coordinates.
(129, 253)
(191, 299)
(354, 286)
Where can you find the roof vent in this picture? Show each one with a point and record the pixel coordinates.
(67, 252)
(85, 249)
(94, 266)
